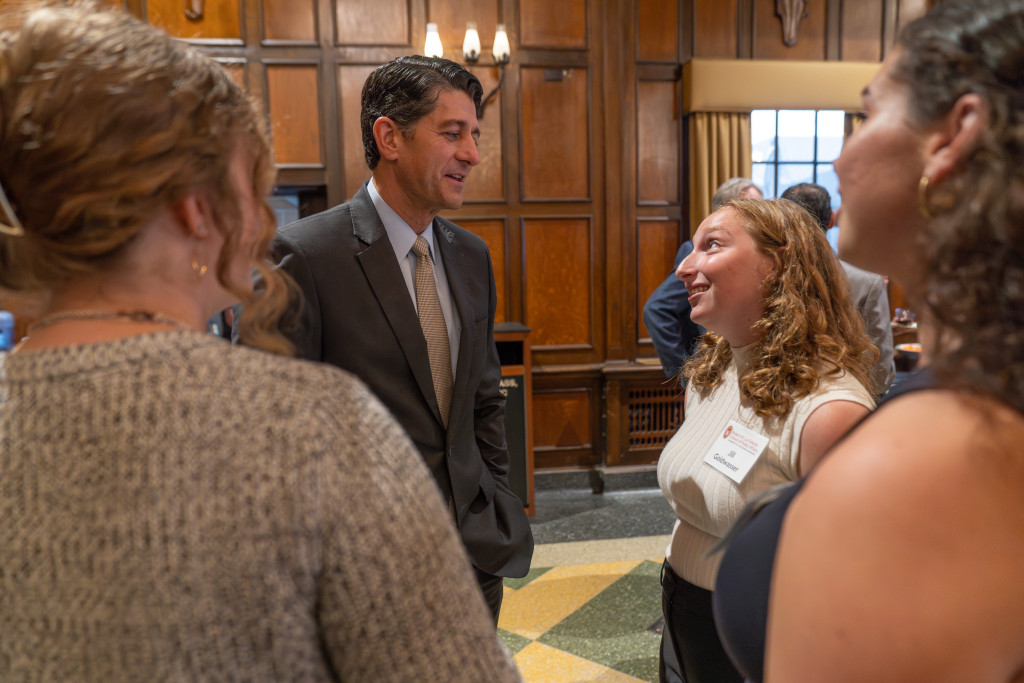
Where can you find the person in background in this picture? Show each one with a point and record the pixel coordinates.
(667, 311)
(899, 557)
(175, 507)
(418, 326)
(734, 188)
(867, 289)
(779, 377)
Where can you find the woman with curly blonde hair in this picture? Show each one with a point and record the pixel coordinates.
(175, 507)
(778, 378)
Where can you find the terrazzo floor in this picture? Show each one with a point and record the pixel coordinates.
(590, 608)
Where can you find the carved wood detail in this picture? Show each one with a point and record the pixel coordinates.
(194, 9)
(792, 12)
(766, 31)
(218, 21)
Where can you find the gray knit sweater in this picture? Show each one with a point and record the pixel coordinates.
(176, 508)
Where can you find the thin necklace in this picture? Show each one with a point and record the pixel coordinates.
(134, 316)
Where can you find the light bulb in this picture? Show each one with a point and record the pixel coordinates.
(502, 50)
(432, 47)
(471, 46)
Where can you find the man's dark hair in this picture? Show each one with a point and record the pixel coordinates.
(405, 90)
(815, 199)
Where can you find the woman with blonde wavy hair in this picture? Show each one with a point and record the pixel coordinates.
(175, 507)
(778, 378)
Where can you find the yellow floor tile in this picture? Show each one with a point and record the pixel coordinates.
(609, 550)
(542, 664)
(545, 601)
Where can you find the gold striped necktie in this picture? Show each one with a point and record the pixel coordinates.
(434, 330)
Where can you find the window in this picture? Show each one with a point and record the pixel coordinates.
(796, 146)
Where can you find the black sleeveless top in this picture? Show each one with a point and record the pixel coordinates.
(744, 578)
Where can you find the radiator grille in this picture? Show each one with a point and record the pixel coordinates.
(654, 416)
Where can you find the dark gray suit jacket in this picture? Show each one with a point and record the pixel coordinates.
(358, 315)
(869, 297)
(667, 317)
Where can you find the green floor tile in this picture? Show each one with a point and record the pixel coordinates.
(650, 568)
(530, 576)
(613, 629)
(513, 641)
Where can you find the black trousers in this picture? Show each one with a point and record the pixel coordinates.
(493, 589)
(690, 649)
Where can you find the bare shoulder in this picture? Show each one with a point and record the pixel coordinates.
(929, 440)
(824, 427)
(900, 559)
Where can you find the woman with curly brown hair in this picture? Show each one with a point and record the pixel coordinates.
(174, 507)
(779, 377)
(900, 556)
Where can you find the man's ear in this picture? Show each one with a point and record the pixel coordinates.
(954, 137)
(386, 134)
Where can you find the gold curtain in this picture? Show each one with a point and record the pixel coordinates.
(719, 150)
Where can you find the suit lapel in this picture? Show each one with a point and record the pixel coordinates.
(382, 272)
(449, 254)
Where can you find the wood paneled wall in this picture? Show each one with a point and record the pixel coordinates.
(581, 191)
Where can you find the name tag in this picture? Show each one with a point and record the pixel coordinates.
(735, 451)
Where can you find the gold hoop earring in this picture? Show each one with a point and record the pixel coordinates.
(199, 270)
(922, 197)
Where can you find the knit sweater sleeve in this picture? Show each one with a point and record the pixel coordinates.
(389, 553)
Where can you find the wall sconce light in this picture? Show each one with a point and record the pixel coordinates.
(433, 47)
(502, 53)
(471, 45)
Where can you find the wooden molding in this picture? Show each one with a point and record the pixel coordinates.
(741, 85)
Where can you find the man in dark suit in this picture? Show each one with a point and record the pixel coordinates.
(364, 275)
